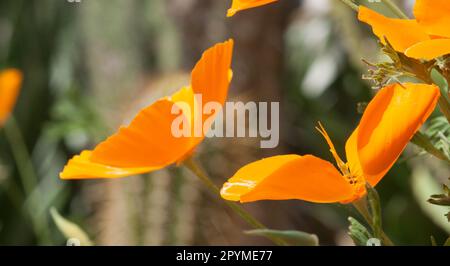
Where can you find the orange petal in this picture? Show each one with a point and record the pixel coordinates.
(434, 16)
(351, 152)
(239, 5)
(10, 82)
(81, 167)
(211, 78)
(147, 142)
(430, 49)
(400, 33)
(211, 75)
(185, 98)
(389, 122)
(288, 177)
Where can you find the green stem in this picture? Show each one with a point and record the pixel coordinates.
(444, 106)
(351, 4)
(397, 11)
(425, 143)
(422, 140)
(21, 156)
(443, 103)
(194, 167)
(27, 175)
(373, 201)
(361, 207)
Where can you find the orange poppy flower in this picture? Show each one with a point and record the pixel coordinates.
(387, 125)
(148, 144)
(239, 5)
(10, 82)
(425, 37)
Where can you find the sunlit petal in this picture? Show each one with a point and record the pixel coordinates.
(430, 49)
(389, 122)
(81, 167)
(149, 142)
(211, 75)
(434, 16)
(211, 79)
(400, 33)
(351, 152)
(288, 177)
(239, 5)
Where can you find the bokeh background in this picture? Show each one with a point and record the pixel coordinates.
(89, 66)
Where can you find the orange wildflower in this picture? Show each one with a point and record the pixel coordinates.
(10, 82)
(387, 125)
(239, 5)
(148, 144)
(425, 37)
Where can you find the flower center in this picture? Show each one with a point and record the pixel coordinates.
(353, 179)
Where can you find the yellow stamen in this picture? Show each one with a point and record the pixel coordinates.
(340, 163)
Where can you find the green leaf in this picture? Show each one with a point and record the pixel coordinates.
(425, 143)
(375, 209)
(70, 230)
(358, 232)
(291, 237)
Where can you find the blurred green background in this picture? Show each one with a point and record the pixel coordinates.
(89, 66)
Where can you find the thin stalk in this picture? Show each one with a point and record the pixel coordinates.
(27, 174)
(373, 201)
(194, 167)
(351, 4)
(21, 156)
(425, 143)
(361, 207)
(443, 103)
(444, 106)
(394, 8)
